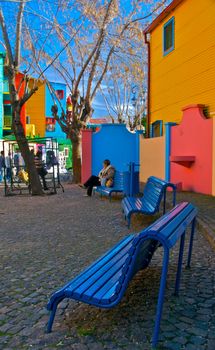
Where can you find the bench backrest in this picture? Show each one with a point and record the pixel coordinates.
(152, 194)
(166, 231)
(118, 180)
(155, 190)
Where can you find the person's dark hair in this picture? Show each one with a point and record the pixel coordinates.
(107, 162)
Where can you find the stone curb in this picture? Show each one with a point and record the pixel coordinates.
(208, 233)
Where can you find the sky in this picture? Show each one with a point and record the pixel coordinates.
(43, 9)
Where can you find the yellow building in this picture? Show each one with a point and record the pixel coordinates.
(181, 43)
(35, 111)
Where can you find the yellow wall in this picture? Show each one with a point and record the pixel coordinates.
(35, 108)
(187, 74)
(213, 160)
(152, 158)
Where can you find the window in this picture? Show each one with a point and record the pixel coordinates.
(156, 128)
(66, 152)
(168, 36)
(60, 94)
(28, 119)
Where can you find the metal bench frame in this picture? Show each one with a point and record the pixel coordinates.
(104, 283)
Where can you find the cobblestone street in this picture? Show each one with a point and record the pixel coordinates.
(46, 241)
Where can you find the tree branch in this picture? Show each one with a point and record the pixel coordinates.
(6, 38)
(18, 33)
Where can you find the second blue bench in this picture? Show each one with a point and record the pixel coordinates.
(149, 204)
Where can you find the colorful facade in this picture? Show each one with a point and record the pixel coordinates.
(36, 116)
(35, 111)
(7, 109)
(181, 60)
(53, 129)
(2, 56)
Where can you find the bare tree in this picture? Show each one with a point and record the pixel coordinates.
(124, 87)
(12, 65)
(23, 53)
(90, 34)
(107, 35)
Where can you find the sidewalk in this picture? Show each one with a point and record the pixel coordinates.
(206, 216)
(47, 241)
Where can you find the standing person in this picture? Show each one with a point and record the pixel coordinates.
(8, 162)
(16, 161)
(105, 178)
(2, 165)
(40, 168)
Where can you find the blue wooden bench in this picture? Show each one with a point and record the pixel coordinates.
(118, 186)
(153, 193)
(104, 283)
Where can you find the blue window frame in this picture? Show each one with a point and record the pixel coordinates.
(169, 36)
(156, 128)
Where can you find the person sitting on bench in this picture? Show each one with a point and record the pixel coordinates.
(105, 178)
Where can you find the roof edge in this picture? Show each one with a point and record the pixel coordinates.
(162, 15)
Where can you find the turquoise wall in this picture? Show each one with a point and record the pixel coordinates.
(1, 93)
(58, 133)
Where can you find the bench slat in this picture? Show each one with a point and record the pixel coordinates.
(102, 272)
(102, 260)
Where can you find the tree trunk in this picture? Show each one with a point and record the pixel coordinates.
(76, 159)
(19, 133)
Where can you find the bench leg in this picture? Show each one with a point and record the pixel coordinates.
(129, 221)
(174, 197)
(51, 318)
(161, 297)
(180, 260)
(191, 243)
(53, 312)
(164, 202)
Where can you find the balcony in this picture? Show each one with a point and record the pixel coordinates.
(7, 122)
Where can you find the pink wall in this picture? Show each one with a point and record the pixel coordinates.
(191, 151)
(86, 169)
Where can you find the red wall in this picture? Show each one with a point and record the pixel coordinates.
(194, 138)
(86, 169)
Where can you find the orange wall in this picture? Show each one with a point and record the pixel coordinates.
(152, 158)
(193, 137)
(186, 75)
(35, 108)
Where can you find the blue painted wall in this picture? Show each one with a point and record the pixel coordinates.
(1, 93)
(116, 143)
(58, 133)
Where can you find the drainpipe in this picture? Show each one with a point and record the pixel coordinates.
(148, 84)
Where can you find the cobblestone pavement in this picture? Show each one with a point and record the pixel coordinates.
(46, 241)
